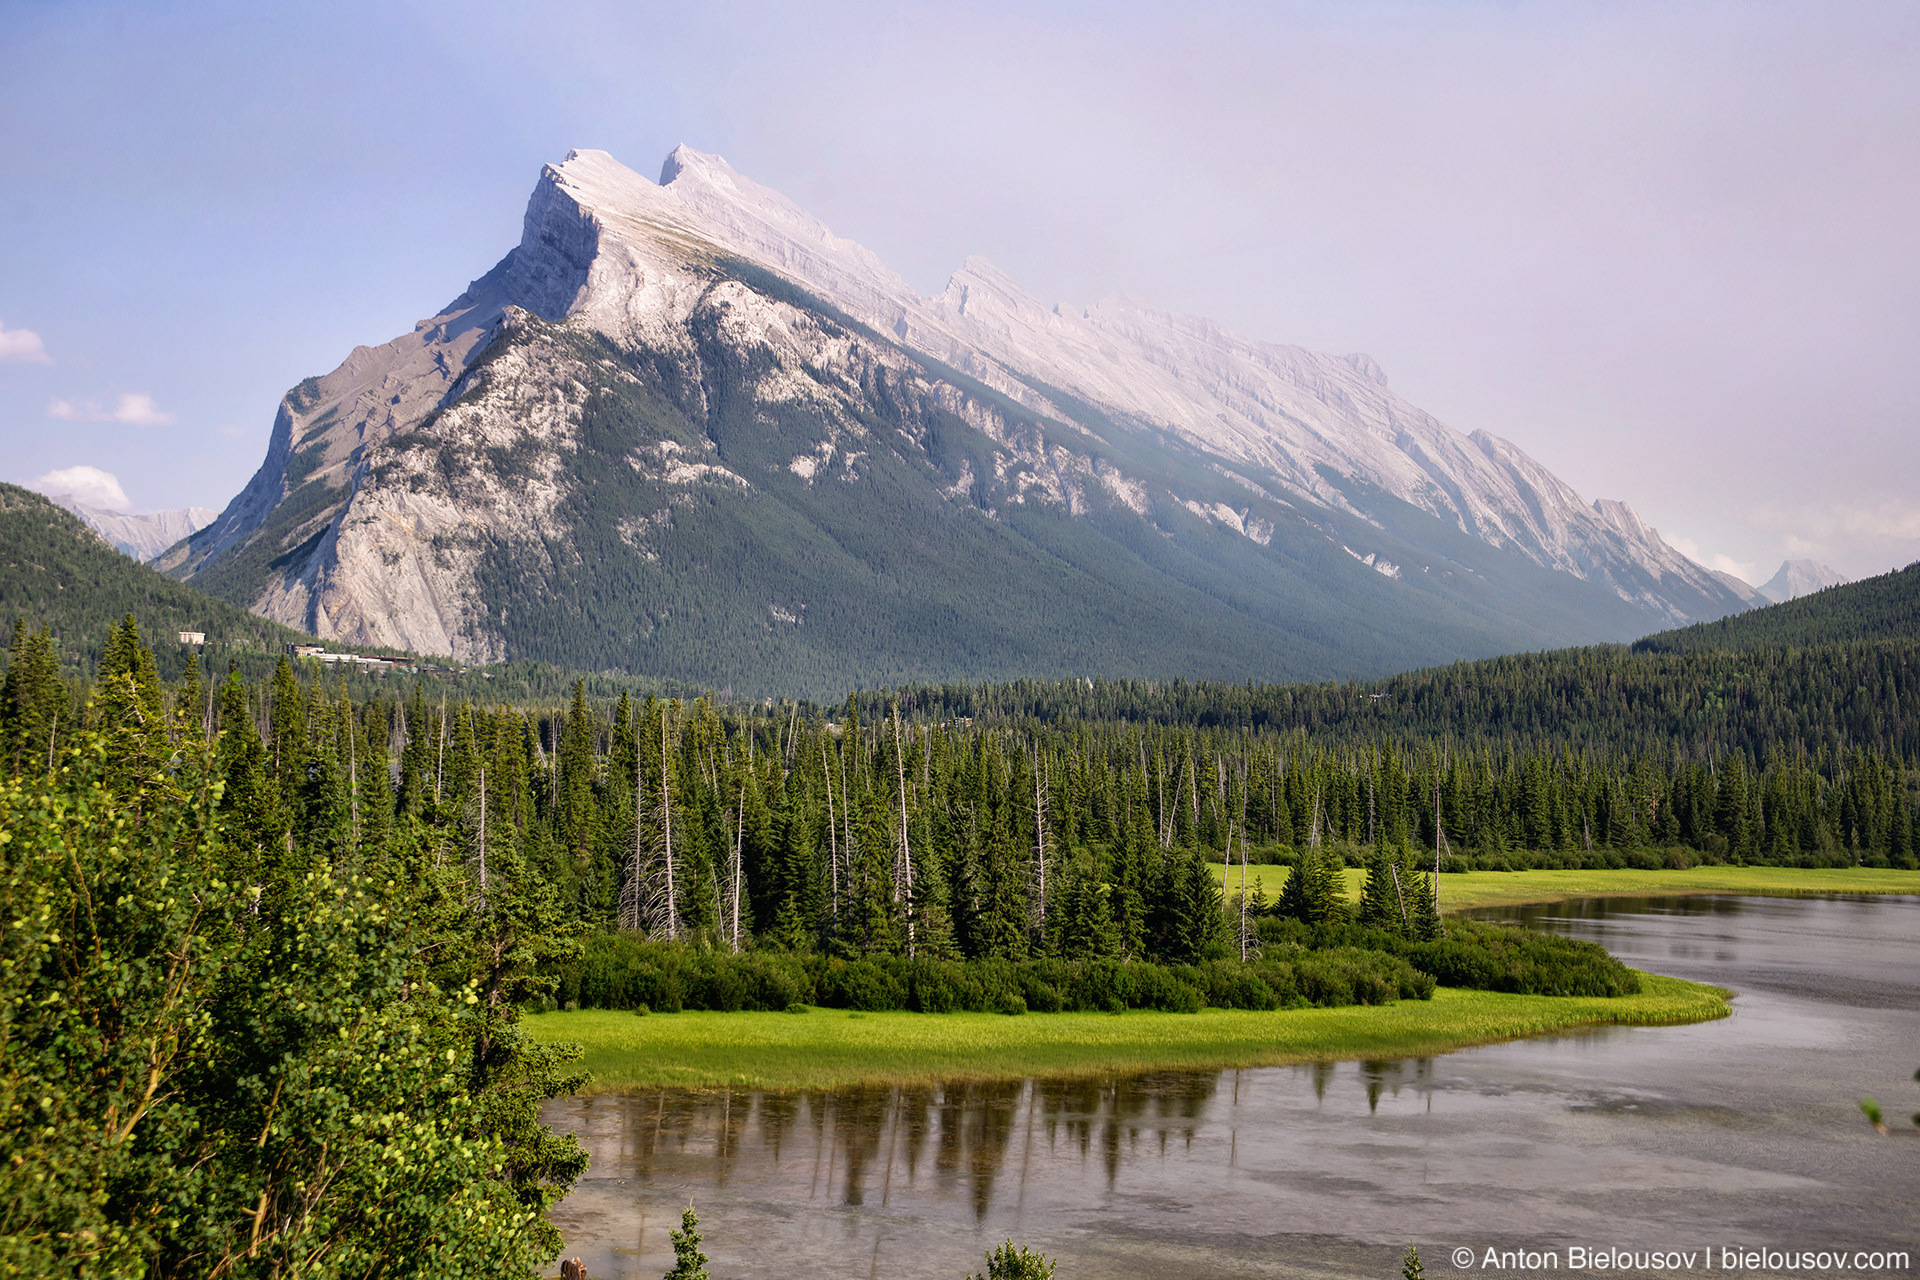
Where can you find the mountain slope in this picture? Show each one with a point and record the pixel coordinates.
(1278, 415)
(57, 572)
(1886, 607)
(663, 437)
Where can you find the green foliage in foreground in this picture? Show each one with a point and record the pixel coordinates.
(228, 1055)
(820, 1049)
(688, 1262)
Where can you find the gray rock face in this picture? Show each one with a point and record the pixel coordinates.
(1797, 578)
(660, 371)
(141, 536)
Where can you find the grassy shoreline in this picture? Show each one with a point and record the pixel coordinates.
(1463, 891)
(826, 1048)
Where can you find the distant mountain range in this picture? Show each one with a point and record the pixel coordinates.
(683, 430)
(1798, 578)
(141, 536)
(1884, 608)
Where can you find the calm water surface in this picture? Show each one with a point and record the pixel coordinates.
(1742, 1132)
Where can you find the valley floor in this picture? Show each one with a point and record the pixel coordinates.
(826, 1048)
(1464, 891)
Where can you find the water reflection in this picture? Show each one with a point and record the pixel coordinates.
(1622, 1136)
(859, 1143)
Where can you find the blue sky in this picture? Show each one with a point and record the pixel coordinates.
(1670, 249)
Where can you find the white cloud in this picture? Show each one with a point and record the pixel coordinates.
(22, 346)
(1747, 573)
(135, 408)
(88, 485)
(1724, 563)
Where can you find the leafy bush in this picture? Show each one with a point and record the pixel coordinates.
(624, 971)
(1470, 953)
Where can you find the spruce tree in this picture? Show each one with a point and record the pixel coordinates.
(1379, 903)
(33, 703)
(249, 805)
(688, 1262)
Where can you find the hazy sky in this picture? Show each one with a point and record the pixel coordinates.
(1672, 250)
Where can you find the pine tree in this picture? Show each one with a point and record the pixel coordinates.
(575, 809)
(688, 1262)
(287, 728)
(33, 703)
(1379, 902)
(249, 803)
(1016, 1262)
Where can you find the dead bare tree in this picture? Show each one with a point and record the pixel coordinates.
(648, 898)
(1037, 911)
(903, 865)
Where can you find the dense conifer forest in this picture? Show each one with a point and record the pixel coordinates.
(1876, 608)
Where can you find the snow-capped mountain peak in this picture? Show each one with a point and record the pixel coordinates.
(705, 296)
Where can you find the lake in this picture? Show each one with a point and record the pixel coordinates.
(1742, 1133)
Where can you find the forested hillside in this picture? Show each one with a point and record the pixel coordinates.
(1830, 672)
(59, 574)
(1604, 698)
(1875, 609)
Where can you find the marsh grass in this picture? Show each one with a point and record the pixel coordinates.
(1460, 891)
(828, 1048)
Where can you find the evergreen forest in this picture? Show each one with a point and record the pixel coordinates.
(274, 930)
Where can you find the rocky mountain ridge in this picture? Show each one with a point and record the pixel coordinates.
(142, 536)
(1796, 578)
(684, 417)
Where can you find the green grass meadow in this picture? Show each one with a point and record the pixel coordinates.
(1468, 889)
(824, 1048)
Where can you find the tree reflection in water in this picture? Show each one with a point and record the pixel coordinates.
(867, 1143)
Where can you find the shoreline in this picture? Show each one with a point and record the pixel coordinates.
(1462, 891)
(833, 1048)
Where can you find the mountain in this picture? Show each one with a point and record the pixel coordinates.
(1874, 610)
(682, 429)
(1798, 578)
(141, 536)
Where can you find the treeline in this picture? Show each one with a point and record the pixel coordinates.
(1006, 840)
(1606, 698)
